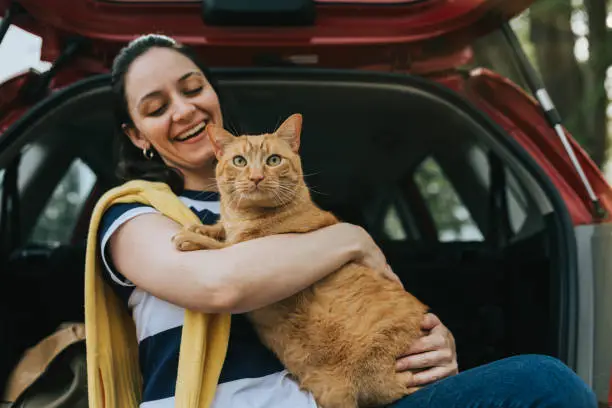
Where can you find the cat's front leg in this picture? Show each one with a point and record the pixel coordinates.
(195, 237)
(216, 231)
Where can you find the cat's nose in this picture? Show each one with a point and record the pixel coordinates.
(256, 178)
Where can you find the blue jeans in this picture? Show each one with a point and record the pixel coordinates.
(528, 381)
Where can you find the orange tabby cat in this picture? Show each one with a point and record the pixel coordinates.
(340, 337)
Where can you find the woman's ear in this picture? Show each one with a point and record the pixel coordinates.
(135, 137)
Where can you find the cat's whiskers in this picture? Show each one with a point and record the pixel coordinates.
(233, 200)
(316, 191)
(285, 187)
(279, 199)
(230, 126)
(285, 199)
(207, 190)
(241, 196)
(290, 194)
(309, 174)
(225, 182)
(289, 189)
(278, 122)
(286, 190)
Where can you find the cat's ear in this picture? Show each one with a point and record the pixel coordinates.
(290, 131)
(219, 138)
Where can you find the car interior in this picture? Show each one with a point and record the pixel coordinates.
(468, 227)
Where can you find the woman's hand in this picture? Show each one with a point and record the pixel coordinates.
(430, 358)
(371, 256)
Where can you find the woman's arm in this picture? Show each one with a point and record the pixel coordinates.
(239, 278)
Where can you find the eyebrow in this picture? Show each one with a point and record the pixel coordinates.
(158, 93)
(187, 75)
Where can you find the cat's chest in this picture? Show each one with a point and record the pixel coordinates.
(240, 228)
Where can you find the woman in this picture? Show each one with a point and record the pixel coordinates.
(164, 100)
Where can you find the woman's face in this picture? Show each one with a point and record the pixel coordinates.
(171, 102)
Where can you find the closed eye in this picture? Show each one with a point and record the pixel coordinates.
(194, 91)
(159, 111)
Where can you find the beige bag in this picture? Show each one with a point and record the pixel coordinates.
(52, 374)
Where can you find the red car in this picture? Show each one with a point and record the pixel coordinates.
(486, 208)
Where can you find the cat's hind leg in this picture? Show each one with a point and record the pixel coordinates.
(378, 383)
(330, 390)
(384, 392)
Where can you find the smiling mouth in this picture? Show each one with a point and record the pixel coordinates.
(191, 133)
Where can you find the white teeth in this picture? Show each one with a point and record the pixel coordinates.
(191, 132)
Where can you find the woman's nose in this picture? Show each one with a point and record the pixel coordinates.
(182, 110)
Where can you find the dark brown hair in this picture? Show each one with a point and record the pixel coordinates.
(131, 164)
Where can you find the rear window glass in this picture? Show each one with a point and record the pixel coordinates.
(452, 219)
(61, 214)
(392, 225)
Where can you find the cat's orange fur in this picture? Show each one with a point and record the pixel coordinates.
(340, 337)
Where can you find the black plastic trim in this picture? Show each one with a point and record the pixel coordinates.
(258, 13)
(49, 103)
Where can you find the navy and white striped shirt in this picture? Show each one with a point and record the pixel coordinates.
(251, 376)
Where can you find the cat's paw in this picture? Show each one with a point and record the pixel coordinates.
(200, 229)
(185, 241)
(212, 231)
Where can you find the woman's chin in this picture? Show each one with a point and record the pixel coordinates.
(201, 159)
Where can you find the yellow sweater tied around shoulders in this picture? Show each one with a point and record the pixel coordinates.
(113, 372)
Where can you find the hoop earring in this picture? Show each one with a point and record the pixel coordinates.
(148, 153)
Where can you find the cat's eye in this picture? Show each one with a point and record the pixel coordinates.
(274, 160)
(239, 161)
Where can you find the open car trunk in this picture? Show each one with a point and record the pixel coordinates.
(468, 221)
